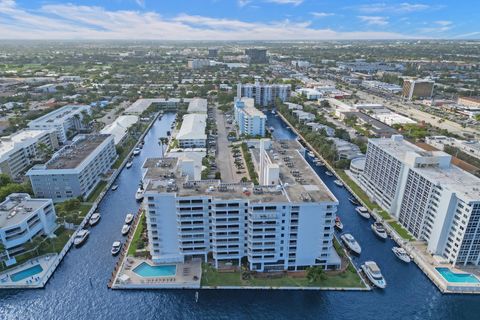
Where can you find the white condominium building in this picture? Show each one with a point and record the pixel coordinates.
(19, 150)
(22, 218)
(435, 200)
(249, 119)
(197, 105)
(192, 132)
(75, 170)
(66, 121)
(286, 226)
(264, 94)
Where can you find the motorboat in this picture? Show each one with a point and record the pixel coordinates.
(129, 164)
(81, 237)
(401, 254)
(363, 212)
(373, 273)
(318, 163)
(328, 173)
(94, 219)
(114, 187)
(136, 151)
(272, 129)
(379, 230)
(116, 247)
(311, 154)
(139, 194)
(338, 183)
(125, 229)
(338, 224)
(353, 201)
(351, 243)
(273, 112)
(129, 218)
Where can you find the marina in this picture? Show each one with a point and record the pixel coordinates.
(88, 270)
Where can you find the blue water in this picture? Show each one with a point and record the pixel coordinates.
(451, 276)
(26, 273)
(78, 289)
(146, 270)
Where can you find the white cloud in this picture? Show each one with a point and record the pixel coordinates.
(294, 2)
(321, 14)
(374, 20)
(68, 21)
(243, 3)
(443, 22)
(404, 7)
(141, 3)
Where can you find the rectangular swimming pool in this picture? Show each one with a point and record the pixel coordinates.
(146, 270)
(453, 277)
(27, 273)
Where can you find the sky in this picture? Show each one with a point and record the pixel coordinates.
(239, 19)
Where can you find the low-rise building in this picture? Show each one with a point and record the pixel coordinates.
(22, 218)
(417, 89)
(346, 150)
(198, 63)
(75, 170)
(250, 120)
(472, 148)
(316, 127)
(119, 127)
(20, 150)
(197, 105)
(192, 132)
(66, 121)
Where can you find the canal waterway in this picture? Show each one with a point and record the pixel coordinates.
(78, 289)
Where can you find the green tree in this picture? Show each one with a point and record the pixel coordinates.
(315, 273)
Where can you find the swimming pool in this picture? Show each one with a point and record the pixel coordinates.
(146, 270)
(27, 273)
(450, 276)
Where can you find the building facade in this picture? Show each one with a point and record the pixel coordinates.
(192, 132)
(20, 150)
(250, 120)
(418, 89)
(22, 218)
(75, 170)
(434, 200)
(257, 56)
(265, 94)
(66, 121)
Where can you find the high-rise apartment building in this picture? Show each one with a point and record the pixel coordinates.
(433, 199)
(257, 56)
(264, 94)
(250, 120)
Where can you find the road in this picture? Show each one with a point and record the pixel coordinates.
(223, 155)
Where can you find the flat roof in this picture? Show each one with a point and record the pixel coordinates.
(18, 207)
(70, 156)
(19, 139)
(119, 127)
(142, 104)
(59, 115)
(193, 127)
(300, 183)
(197, 105)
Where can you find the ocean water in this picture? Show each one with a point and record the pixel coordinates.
(78, 289)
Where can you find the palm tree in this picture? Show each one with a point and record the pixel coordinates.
(162, 141)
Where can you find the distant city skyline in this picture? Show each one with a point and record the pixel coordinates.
(238, 19)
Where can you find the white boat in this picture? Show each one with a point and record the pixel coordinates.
(116, 247)
(379, 230)
(363, 212)
(328, 173)
(114, 187)
(401, 254)
(273, 112)
(129, 218)
(272, 129)
(81, 237)
(373, 273)
(338, 183)
(94, 219)
(136, 151)
(353, 201)
(311, 154)
(129, 164)
(351, 243)
(125, 229)
(338, 224)
(139, 194)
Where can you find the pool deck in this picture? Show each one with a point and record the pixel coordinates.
(36, 281)
(188, 276)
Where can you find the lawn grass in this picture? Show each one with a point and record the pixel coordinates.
(347, 279)
(359, 192)
(402, 232)
(136, 236)
(74, 216)
(96, 192)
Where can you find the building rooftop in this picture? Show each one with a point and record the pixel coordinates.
(58, 116)
(197, 105)
(141, 105)
(22, 138)
(18, 207)
(193, 127)
(71, 156)
(299, 182)
(119, 127)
